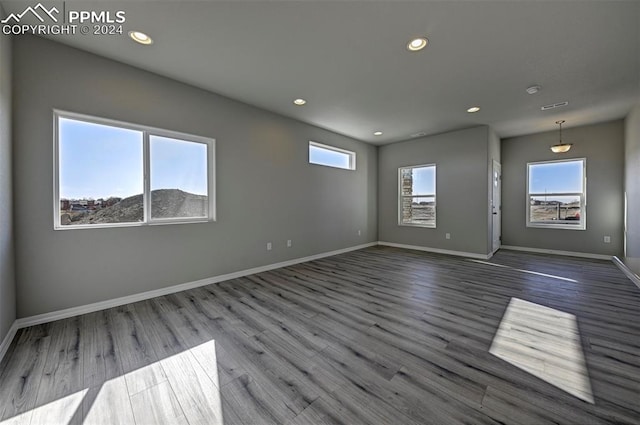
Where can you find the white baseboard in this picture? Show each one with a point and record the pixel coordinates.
(437, 250)
(90, 308)
(627, 271)
(8, 338)
(557, 252)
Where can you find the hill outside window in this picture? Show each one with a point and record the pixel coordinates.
(112, 174)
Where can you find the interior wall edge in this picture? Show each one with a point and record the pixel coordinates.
(8, 339)
(8, 300)
(627, 271)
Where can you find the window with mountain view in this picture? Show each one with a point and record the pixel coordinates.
(556, 194)
(179, 183)
(118, 174)
(417, 196)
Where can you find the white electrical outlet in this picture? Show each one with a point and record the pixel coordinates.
(269, 246)
(359, 232)
(607, 239)
(447, 235)
(288, 243)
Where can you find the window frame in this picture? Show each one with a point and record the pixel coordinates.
(147, 133)
(351, 154)
(561, 224)
(434, 195)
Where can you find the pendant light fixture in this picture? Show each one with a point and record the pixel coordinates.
(561, 147)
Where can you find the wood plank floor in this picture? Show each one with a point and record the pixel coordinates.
(376, 336)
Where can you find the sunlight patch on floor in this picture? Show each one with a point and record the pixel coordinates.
(44, 414)
(176, 390)
(544, 342)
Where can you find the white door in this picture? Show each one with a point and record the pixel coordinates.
(496, 204)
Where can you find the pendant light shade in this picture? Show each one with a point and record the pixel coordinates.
(561, 147)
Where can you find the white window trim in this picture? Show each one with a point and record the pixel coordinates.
(351, 154)
(583, 199)
(147, 132)
(401, 196)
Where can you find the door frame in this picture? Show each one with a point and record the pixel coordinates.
(496, 166)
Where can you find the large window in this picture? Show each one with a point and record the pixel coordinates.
(417, 196)
(331, 156)
(110, 173)
(556, 195)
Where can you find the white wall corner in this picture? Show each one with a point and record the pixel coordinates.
(627, 271)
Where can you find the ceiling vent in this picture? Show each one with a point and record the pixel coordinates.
(554, 105)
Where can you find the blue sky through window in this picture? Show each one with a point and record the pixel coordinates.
(556, 177)
(100, 161)
(176, 164)
(424, 181)
(324, 156)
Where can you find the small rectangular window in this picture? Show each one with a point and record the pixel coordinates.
(417, 188)
(330, 156)
(556, 195)
(110, 173)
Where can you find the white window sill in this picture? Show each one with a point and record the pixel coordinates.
(430, 226)
(557, 226)
(118, 225)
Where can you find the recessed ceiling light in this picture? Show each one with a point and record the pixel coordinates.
(473, 109)
(416, 44)
(140, 37)
(377, 133)
(299, 102)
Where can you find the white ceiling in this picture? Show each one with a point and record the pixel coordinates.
(348, 59)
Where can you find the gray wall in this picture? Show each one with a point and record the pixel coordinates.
(602, 146)
(7, 280)
(632, 189)
(461, 190)
(266, 190)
